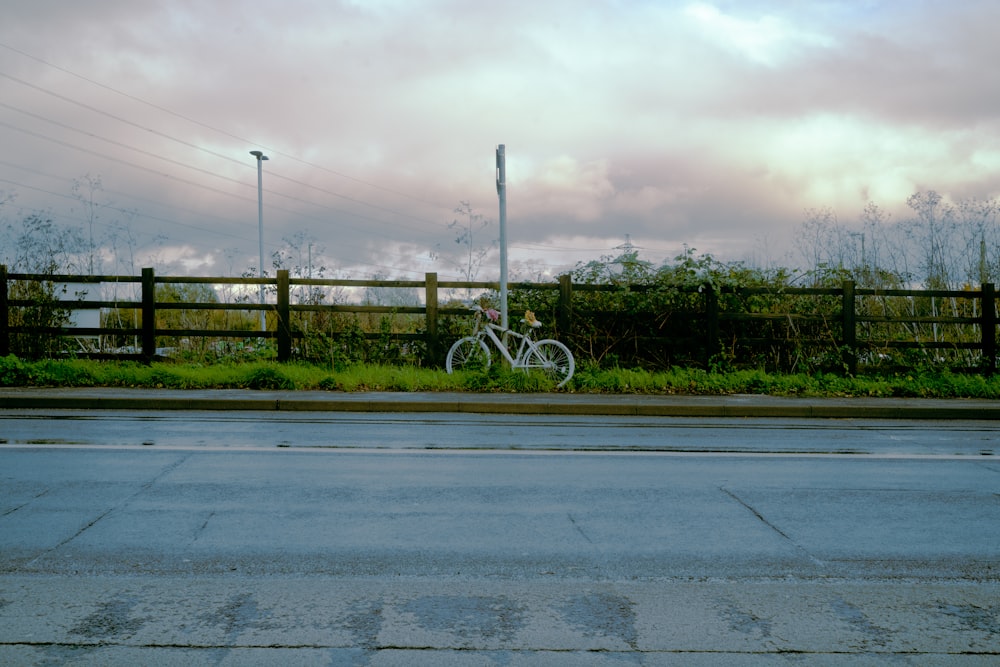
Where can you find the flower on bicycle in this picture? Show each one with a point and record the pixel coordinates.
(493, 314)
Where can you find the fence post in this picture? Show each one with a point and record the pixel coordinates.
(564, 309)
(284, 326)
(4, 313)
(148, 315)
(711, 323)
(431, 314)
(989, 327)
(850, 341)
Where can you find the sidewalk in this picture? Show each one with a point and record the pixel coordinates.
(742, 405)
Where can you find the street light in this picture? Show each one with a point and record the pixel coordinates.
(502, 194)
(260, 228)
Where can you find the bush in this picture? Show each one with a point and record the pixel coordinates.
(267, 377)
(14, 372)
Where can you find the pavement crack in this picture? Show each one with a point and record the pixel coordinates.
(754, 511)
(142, 489)
(770, 525)
(72, 537)
(204, 525)
(25, 504)
(578, 528)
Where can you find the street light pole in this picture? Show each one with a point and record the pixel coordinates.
(260, 228)
(502, 195)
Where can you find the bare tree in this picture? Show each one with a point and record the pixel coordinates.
(468, 224)
(821, 243)
(981, 238)
(41, 246)
(85, 191)
(301, 257)
(934, 231)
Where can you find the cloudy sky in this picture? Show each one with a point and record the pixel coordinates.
(715, 125)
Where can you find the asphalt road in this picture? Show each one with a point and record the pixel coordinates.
(343, 539)
(266, 429)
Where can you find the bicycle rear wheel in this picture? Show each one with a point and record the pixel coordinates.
(555, 359)
(468, 353)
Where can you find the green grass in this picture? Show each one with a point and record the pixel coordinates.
(588, 379)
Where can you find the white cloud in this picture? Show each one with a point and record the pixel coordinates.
(703, 123)
(767, 40)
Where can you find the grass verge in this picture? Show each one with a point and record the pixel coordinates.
(15, 372)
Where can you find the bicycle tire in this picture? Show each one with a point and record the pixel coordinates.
(554, 359)
(466, 353)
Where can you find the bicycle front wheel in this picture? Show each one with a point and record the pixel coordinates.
(555, 359)
(468, 353)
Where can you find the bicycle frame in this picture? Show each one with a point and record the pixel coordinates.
(524, 346)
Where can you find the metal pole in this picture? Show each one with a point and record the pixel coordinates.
(502, 194)
(260, 228)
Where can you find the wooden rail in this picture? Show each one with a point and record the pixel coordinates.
(708, 326)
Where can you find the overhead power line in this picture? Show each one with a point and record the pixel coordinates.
(124, 211)
(213, 128)
(147, 128)
(196, 184)
(183, 142)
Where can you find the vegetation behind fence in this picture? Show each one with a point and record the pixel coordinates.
(688, 319)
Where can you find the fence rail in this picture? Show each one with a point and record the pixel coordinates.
(843, 320)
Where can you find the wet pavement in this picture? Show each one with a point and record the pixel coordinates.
(743, 405)
(152, 555)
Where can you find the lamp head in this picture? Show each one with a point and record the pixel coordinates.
(258, 155)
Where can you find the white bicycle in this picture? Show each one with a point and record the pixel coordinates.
(549, 356)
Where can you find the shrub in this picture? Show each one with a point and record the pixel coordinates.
(14, 372)
(266, 377)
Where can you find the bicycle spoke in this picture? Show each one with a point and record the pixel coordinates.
(553, 358)
(468, 353)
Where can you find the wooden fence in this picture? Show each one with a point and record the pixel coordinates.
(714, 321)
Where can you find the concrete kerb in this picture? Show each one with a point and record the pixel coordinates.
(743, 406)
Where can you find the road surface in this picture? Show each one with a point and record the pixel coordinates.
(218, 539)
